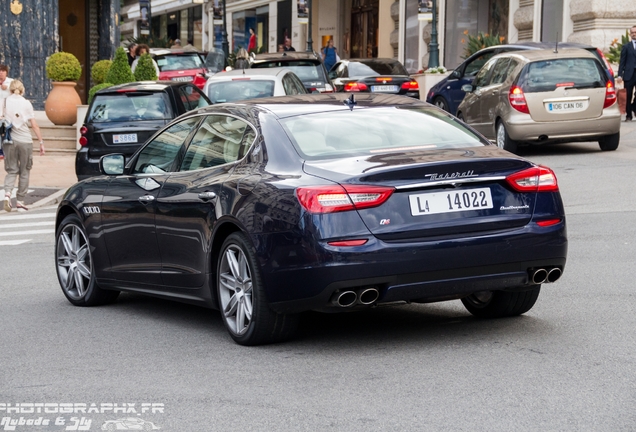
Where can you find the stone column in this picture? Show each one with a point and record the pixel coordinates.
(598, 22)
(524, 19)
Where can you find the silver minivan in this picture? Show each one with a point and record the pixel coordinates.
(543, 96)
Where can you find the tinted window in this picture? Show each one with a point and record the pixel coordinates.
(376, 130)
(374, 67)
(159, 154)
(306, 70)
(192, 98)
(289, 85)
(547, 75)
(499, 71)
(473, 67)
(179, 62)
(218, 141)
(483, 75)
(130, 106)
(230, 91)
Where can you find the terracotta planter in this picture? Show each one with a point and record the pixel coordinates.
(61, 104)
(621, 94)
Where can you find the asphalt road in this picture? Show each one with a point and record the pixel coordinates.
(569, 364)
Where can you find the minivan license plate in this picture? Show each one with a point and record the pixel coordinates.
(450, 201)
(566, 107)
(124, 138)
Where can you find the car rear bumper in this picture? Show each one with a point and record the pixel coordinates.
(522, 128)
(417, 271)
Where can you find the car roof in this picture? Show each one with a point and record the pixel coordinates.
(144, 86)
(264, 73)
(287, 55)
(550, 54)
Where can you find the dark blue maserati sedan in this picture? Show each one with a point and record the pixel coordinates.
(267, 208)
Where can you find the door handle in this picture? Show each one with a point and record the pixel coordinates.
(145, 199)
(206, 196)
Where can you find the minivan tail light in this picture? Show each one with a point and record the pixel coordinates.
(536, 179)
(353, 86)
(610, 95)
(518, 100)
(336, 198)
(410, 85)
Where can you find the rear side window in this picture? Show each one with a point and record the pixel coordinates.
(179, 62)
(547, 75)
(230, 91)
(130, 106)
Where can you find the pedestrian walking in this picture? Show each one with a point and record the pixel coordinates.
(627, 71)
(288, 46)
(190, 46)
(141, 50)
(132, 53)
(176, 44)
(5, 82)
(330, 55)
(18, 158)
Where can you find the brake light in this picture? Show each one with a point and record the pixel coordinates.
(610, 95)
(347, 243)
(384, 79)
(353, 86)
(535, 179)
(127, 90)
(565, 84)
(411, 85)
(548, 222)
(336, 198)
(607, 65)
(83, 140)
(518, 100)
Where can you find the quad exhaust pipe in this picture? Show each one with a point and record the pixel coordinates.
(362, 296)
(545, 275)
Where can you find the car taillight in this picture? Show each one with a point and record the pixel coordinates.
(355, 87)
(607, 65)
(411, 85)
(535, 179)
(83, 140)
(336, 198)
(610, 95)
(518, 100)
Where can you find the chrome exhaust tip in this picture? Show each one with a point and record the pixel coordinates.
(539, 276)
(368, 296)
(554, 275)
(344, 299)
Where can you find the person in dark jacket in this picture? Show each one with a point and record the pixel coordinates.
(627, 72)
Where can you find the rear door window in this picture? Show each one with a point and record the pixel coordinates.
(130, 106)
(192, 98)
(547, 75)
(473, 67)
(483, 76)
(499, 71)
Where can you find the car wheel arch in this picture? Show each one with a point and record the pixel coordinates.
(222, 231)
(65, 211)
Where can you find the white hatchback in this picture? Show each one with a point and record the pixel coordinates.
(241, 84)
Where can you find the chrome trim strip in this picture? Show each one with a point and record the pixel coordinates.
(450, 182)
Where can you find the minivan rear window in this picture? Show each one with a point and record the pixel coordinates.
(547, 75)
(230, 91)
(129, 106)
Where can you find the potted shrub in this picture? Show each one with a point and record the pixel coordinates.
(61, 104)
(145, 70)
(119, 71)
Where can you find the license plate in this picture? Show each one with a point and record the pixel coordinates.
(566, 107)
(384, 88)
(450, 201)
(124, 138)
(183, 78)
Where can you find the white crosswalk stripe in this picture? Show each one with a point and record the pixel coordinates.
(20, 228)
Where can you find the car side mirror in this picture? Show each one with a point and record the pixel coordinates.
(468, 88)
(112, 164)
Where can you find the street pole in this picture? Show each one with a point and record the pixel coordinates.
(224, 43)
(310, 41)
(433, 47)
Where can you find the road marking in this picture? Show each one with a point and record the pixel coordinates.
(13, 242)
(27, 224)
(29, 216)
(15, 233)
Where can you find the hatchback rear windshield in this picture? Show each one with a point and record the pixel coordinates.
(229, 91)
(547, 75)
(179, 62)
(306, 70)
(129, 106)
(376, 130)
(374, 67)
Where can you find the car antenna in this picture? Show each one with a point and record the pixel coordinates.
(556, 47)
(350, 102)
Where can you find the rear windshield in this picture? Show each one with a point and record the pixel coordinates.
(129, 106)
(376, 130)
(179, 62)
(306, 70)
(547, 75)
(229, 91)
(373, 68)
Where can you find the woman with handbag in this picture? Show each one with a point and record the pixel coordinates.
(18, 153)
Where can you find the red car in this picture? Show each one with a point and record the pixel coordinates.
(180, 65)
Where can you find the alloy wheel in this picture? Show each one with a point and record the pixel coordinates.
(501, 136)
(235, 289)
(74, 264)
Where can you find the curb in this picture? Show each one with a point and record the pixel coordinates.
(54, 198)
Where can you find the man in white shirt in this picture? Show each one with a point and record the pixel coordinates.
(5, 81)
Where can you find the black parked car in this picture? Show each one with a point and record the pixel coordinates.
(373, 75)
(307, 66)
(270, 207)
(121, 118)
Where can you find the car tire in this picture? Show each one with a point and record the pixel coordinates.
(440, 102)
(242, 301)
(460, 116)
(75, 267)
(503, 139)
(610, 142)
(499, 304)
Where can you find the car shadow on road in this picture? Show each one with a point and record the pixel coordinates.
(578, 148)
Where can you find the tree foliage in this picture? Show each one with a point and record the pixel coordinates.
(614, 54)
(482, 40)
(119, 72)
(151, 41)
